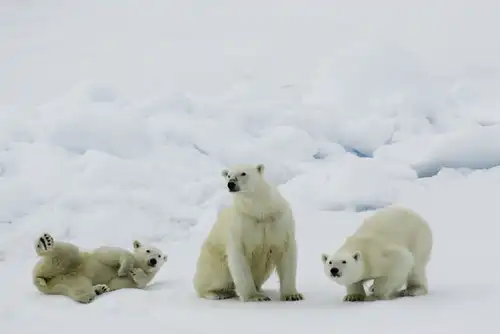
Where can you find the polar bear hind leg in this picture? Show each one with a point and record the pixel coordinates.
(213, 279)
(416, 284)
(78, 288)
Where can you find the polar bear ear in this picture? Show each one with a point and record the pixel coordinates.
(356, 256)
(260, 168)
(224, 173)
(324, 257)
(137, 244)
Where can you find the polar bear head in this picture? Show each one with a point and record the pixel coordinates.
(149, 257)
(244, 178)
(344, 267)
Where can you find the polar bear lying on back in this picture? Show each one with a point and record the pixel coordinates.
(392, 247)
(64, 269)
(126, 262)
(248, 241)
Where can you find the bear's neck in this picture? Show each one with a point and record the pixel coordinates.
(264, 204)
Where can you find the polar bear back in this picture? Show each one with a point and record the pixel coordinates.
(398, 226)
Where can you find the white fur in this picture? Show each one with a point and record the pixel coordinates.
(248, 241)
(63, 269)
(392, 247)
(144, 259)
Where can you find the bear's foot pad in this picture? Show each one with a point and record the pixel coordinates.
(101, 288)
(292, 297)
(355, 298)
(45, 242)
(220, 295)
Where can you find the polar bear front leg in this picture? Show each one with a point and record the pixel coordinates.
(126, 265)
(386, 287)
(355, 293)
(140, 277)
(286, 267)
(241, 273)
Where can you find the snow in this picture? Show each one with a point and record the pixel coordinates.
(116, 118)
(473, 149)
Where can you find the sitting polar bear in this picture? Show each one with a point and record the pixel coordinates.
(65, 270)
(392, 247)
(248, 241)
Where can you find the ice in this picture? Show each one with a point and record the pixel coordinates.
(117, 117)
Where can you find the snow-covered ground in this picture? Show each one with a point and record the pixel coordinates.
(117, 116)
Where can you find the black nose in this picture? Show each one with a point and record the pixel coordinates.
(231, 185)
(152, 262)
(334, 271)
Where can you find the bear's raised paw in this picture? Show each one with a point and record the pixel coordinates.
(101, 288)
(45, 243)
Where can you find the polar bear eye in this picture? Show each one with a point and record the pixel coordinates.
(159, 256)
(243, 174)
(148, 251)
(344, 262)
(330, 262)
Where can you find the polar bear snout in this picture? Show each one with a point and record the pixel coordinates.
(233, 186)
(335, 272)
(152, 262)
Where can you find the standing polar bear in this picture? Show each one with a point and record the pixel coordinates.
(66, 270)
(392, 247)
(248, 241)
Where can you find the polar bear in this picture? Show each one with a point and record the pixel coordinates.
(392, 248)
(142, 264)
(66, 270)
(149, 259)
(249, 239)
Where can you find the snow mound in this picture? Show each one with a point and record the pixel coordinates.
(349, 183)
(476, 148)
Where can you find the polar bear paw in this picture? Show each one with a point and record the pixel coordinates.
(355, 298)
(221, 295)
(99, 289)
(140, 277)
(84, 297)
(40, 281)
(45, 243)
(292, 297)
(412, 292)
(259, 297)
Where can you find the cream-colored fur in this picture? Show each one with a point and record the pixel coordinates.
(248, 241)
(66, 270)
(392, 247)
